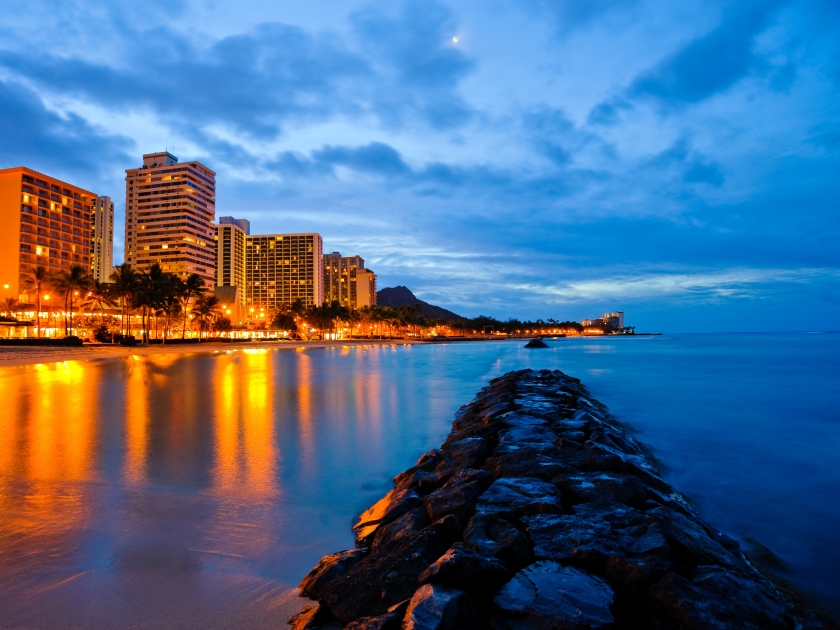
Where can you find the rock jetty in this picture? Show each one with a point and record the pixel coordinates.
(540, 512)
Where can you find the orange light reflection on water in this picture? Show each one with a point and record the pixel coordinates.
(245, 458)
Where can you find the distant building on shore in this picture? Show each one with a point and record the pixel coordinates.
(102, 239)
(283, 268)
(46, 222)
(347, 281)
(169, 213)
(614, 321)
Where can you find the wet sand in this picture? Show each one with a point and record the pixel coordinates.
(29, 355)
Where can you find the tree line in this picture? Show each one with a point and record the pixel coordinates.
(162, 299)
(168, 304)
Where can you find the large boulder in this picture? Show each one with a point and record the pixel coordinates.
(459, 495)
(327, 569)
(435, 607)
(716, 598)
(393, 505)
(548, 595)
(456, 456)
(490, 534)
(513, 498)
(465, 568)
(388, 575)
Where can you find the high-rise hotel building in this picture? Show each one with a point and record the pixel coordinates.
(348, 282)
(46, 222)
(282, 268)
(169, 211)
(230, 257)
(102, 239)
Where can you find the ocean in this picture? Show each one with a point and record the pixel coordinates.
(196, 490)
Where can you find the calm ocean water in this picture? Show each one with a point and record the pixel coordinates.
(182, 491)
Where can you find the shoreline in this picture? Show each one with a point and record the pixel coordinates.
(11, 356)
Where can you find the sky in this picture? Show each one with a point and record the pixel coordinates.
(678, 161)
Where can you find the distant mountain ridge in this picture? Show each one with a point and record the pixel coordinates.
(396, 297)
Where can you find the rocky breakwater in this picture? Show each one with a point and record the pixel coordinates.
(539, 511)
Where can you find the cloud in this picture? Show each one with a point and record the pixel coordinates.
(712, 63)
(376, 158)
(65, 146)
(415, 55)
(252, 82)
(571, 15)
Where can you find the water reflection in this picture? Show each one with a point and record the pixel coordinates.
(174, 489)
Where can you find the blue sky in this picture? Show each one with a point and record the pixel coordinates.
(678, 161)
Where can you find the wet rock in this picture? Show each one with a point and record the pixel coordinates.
(391, 620)
(490, 413)
(328, 568)
(603, 487)
(464, 568)
(396, 503)
(534, 437)
(426, 462)
(690, 544)
(635, 575)
(420, 481)
(456, 456)
(490, 534)
(310, 618)
(536, 343)
(572, 539)
(541, 406)
(389, 573)
(653, 542)
(388, 621)
(549, 595)
(435, 607)
(526, 463)
(512, 498)
(406, 525)
(717, 599)
(458, 496)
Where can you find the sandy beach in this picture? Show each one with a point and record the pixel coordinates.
(29, 355)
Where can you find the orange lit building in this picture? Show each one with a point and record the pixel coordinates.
(348, 282)
(46, 222)
(283, 268)
(170, 208)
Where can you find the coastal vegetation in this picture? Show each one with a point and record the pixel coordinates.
(155, 305)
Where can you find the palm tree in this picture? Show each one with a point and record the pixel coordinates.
(98, 295)
(153, 287)
(205, 310)
(72, 283)
(170, 309)
(10, 305)
(125, 284)
(193, 286)
(37, 281)
(352, 318)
